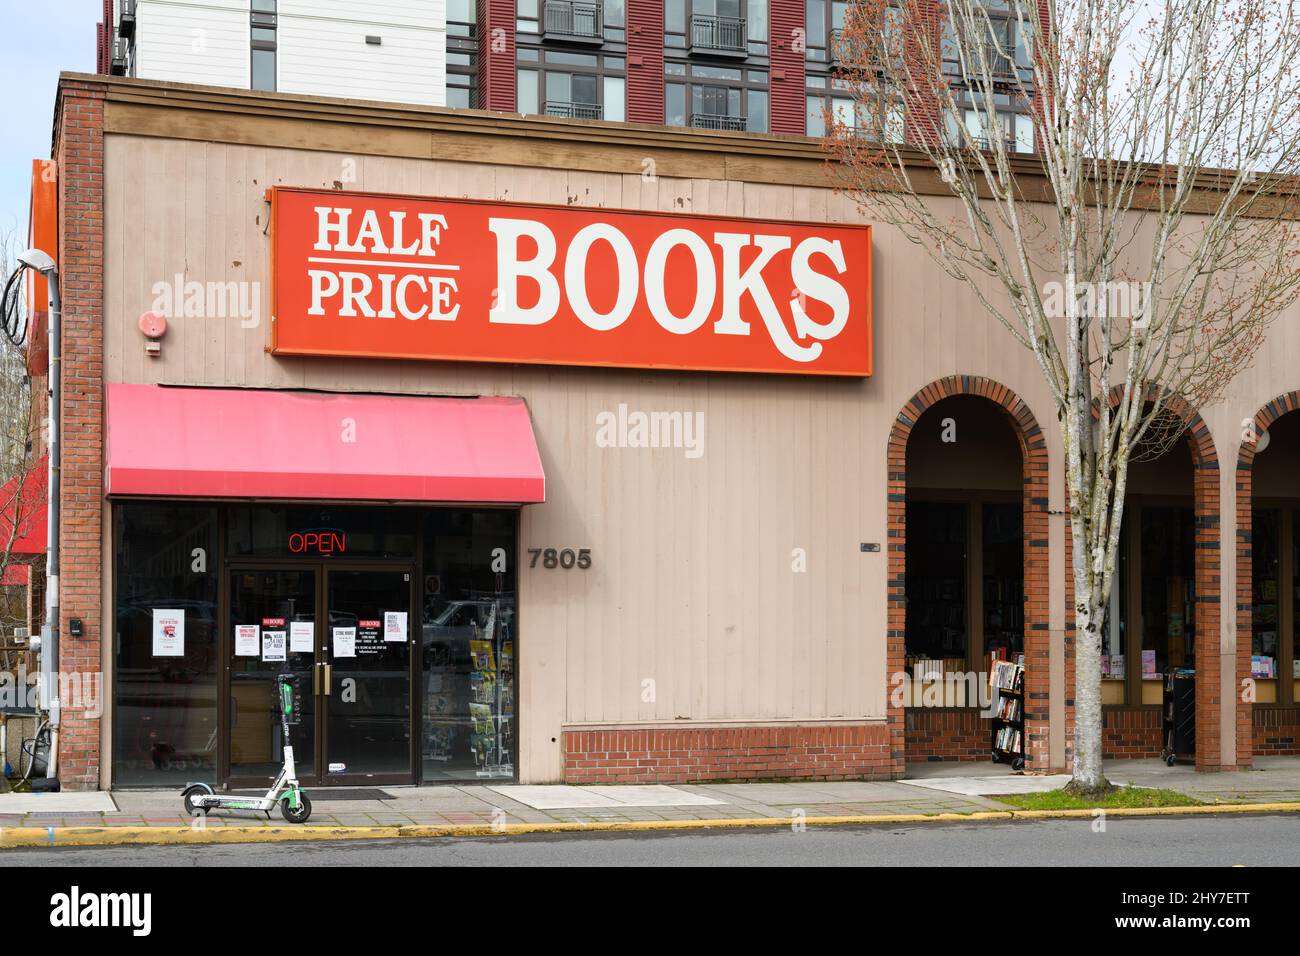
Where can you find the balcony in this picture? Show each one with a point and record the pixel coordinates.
(988, 144)
(839, 49)
(717, 121)
(573, 110)
(573, 22)
(719, 35)
(126, 22)
(1000, 64)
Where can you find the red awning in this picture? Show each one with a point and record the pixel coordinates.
(246, 443)
(23, 501)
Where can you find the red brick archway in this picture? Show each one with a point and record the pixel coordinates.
(1274, 730)
(1033, 449)
(1133, 731)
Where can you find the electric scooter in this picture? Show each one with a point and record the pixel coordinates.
(200, 797)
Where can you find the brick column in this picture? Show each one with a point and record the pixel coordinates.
(79, 148)
(496, 55)
(786, 34)
(645, 61)
(1209, 660)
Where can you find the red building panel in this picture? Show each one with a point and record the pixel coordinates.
(645, 61)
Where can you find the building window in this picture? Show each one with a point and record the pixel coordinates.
(736, 28)
(571, 57)
(856, 117)
(719, 98)
(828, 89)
(572, 85)
(1149, 629)
(1014, 128)
(262, 35)
(462, 54)
(164, 697)
(1007, 45)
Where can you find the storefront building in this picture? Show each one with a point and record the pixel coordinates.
(339, 402)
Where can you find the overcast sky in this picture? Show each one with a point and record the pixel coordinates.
(43, 39)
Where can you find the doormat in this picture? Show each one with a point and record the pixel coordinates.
(330, 795)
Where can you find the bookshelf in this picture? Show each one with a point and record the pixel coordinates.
(1007, 681)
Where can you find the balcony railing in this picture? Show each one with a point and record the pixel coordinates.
(717, 121)
(988, 144)
(719, 34)
(573, 21)
(999, 62)
(573, 110)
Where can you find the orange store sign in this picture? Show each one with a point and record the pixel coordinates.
(403, 277)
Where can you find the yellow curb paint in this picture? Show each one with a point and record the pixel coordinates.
(184, 835)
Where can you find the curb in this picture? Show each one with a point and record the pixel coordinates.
(184, 835)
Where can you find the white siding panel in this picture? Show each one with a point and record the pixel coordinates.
(327, 54)
(202, 41)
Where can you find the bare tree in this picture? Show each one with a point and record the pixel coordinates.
(21, 488)
(1124, 177)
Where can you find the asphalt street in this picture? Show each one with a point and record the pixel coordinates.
(1264, 840)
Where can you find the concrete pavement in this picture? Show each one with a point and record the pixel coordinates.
(930, 790)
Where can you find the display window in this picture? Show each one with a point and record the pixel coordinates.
(965, 546)
(397, 627)
(165, 650)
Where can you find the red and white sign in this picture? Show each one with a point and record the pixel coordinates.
(402, 277)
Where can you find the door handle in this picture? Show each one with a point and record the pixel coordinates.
(315, 680)
(327, 679)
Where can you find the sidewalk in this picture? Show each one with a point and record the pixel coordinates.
(497, 804)
(929, 790)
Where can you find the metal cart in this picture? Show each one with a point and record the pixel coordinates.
(1179, 713)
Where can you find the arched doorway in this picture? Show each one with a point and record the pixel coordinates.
(967, 566)
(1163, 613)
(1268, 575)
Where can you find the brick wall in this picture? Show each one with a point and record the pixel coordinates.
(1130, 732)
(837, 752)
(1276, 731)
(79, 148)
(947, 734)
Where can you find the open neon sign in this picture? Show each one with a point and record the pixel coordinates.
(318, 541)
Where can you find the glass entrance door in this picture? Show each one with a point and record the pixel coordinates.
(272, 630)
(366, 691)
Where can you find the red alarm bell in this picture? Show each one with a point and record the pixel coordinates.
(153, 326)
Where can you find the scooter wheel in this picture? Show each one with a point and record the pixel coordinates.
(301, 814)
(191, 806)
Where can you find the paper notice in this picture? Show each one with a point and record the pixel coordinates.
(345, 642)
(302, 637)
(395, 626)
(168, 632)
(273, 645)
(248, 640)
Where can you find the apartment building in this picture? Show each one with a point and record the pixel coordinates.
(758, 66)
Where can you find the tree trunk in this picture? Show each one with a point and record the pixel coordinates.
(1088, 777)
